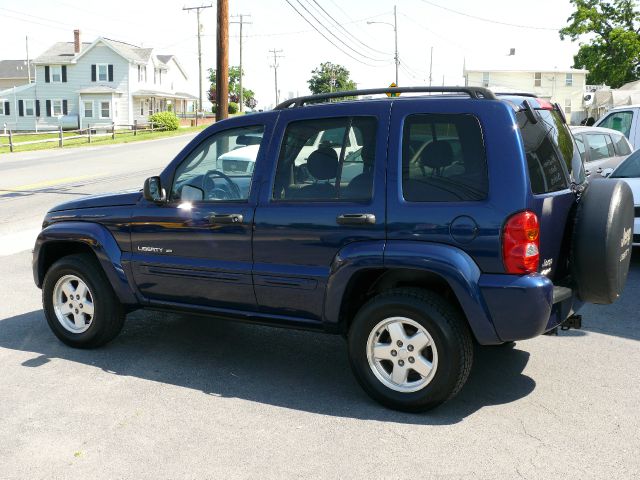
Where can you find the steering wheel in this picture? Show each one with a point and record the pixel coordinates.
(231, 191)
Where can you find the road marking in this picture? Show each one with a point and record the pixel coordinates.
(18, 242)
(46, 183)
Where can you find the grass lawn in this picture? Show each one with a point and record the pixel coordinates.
(124, 136)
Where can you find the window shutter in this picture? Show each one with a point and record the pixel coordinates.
(7, 108)
(64, 73)
(21, 108)
(37, 108)
(48, 108)
(93, 73)
(64, 107)
(111, 73)
(46, 74)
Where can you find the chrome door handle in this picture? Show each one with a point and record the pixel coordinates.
(225, 218)
(356, 219)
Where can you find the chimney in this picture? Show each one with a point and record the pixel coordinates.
(76, 41)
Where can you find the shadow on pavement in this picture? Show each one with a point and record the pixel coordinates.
(292, 369)
(622, 318)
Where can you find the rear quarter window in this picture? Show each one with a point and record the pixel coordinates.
(443, 159)
(550, 152)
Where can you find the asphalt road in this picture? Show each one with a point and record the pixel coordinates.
(183, 397)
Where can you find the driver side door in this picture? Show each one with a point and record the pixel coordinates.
(195, 248)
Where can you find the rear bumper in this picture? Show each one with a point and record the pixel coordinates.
(524, 307)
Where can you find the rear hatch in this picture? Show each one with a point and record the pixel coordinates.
(555, 173)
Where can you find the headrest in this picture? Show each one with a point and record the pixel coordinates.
(323, 163)
(437, 154)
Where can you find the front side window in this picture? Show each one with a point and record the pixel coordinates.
(88, 109)
(56, 106)
(443, 159)
(29, 108)
(328, 159)
(220, 168)
(600, 146)
(105, 109)
(56, 73)
(630, 168)
(103, 72)
(620, 121)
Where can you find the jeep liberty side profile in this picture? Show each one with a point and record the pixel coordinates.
(424, 224)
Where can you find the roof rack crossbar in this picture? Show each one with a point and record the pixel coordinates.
(473, 92)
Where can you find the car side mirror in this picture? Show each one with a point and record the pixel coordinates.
(606, 172)
(153, 191)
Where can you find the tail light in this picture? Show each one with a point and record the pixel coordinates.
(521, 243)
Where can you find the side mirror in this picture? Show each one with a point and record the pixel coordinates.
(606, 172)
(153, 191)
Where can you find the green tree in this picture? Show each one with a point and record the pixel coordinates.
(329, 77)
(611, 51)
(234, 88)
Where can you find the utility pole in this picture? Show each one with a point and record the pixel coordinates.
(241, 22)
(431, 67)
(395, 32)
(197, 9)
(222, 70)
(28, 66)
(275, 69)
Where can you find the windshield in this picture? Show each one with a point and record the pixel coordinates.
(630, 168)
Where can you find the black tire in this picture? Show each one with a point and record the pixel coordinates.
(446, 326)
(601, 243)
(109, 314)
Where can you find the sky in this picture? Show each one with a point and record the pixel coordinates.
(476, 33)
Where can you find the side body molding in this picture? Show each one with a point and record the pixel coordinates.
(100, 240)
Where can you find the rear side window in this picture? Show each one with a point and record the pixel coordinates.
(621, 145)
(327, 159)
(620, 121)
(600, 146)
(550, 152)
(443, 159)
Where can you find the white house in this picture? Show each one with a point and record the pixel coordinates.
(565, 86)
(103, 82)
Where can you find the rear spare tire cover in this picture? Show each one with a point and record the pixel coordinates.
(601, 249)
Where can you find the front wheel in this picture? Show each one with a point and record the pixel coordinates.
(410, 349)
(79, 304)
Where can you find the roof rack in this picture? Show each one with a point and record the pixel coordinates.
(516, 94)
(473, 92)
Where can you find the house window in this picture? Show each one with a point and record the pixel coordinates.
(155, 76)
(141, 107)
(537, 79)
(568, 81)
(485, 79)
(567, 106)
(29, 108)
(105, 109)
(139, 73)
(144, 73)
(103, 72)
(160, 76)
(56, 73)
(56, 107)
(88, 109)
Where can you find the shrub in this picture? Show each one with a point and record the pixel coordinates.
(233, 107)
(214, 108)
(166, 120)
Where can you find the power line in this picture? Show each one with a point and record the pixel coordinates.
(334, 35)
(489, 20)
(327, 39)
(339, 25)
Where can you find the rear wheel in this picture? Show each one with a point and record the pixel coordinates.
(79, 304)
(410, 350)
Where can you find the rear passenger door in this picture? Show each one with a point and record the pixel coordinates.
(317, 201)
(601, 153)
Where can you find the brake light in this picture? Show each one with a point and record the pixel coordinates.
(521, 243)
(544, 104)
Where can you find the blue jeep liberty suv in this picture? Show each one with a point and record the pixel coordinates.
(413, 225)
